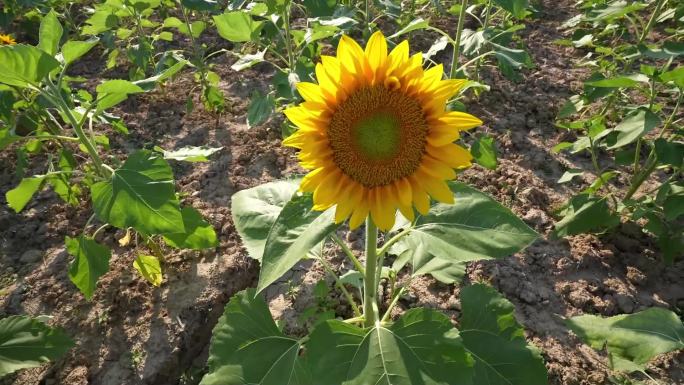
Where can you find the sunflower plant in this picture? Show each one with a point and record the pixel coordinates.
(628, 120)
(381, 149)
(43, 116)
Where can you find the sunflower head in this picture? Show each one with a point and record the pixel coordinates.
(375, 133)
(7, 40)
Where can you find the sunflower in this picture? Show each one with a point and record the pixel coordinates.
(375, 133)
(7, 40)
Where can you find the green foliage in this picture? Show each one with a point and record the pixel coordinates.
(198, 234)
(24, 65)
(484, 152)
(237, 26)
(496, 341)
(585, 213)
(149, 267)
(294, 233)
(91, 261)
(627, 112)
(421, 346)
(27, 342)
(631, 340)
(18, 197)
(248, 347)
(141, 195)
(449, 236)
(255, 210)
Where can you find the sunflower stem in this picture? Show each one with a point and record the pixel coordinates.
(457, 41)
(370, 284)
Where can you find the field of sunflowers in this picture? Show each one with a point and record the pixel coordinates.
(338, 192)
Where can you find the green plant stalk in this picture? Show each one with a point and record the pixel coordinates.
(392, 304)
(651, 21)
(340, 285)
(357, 264)
(484, 27)
(457, 41)
(288, 37)
(370, 284)
(651, 162)
(393, 240)
(59, 102)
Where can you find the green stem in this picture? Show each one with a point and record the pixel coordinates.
(350, 254)
(340, 285)
(393, 240)
(392, 304)
(457, 41)
(56, 98)
(651, 161)
(288, 37)
(370, 285)
(651, 21)
(484, 27)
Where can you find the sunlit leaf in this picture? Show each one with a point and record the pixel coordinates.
(492, 335)
(149, 268)
(631, 340)
(255, 210)
(248, 348)
(140, 194)
(90, 263)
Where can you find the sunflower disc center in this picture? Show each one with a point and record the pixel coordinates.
(378, 135)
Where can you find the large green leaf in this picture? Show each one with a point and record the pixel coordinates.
(50, 33)
(255, 210)
(140, 194)
(633, 127)
(27, 342)
(248, 348)
(496, 341)
(474, 227)
(585, 213)
(237, 26)
(18, 197)
(91, 262)
(295, 232)
(631, 340)
(517, 8)
(115, 91)
(22, 65)
(422, 347)
(73, 50)
(198, 235)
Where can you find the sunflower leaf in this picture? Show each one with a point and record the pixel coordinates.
(248, 348)
(27, 343)
(631, 340)
(475, 227)
(421, 347)
(297, 230)
(496, 340)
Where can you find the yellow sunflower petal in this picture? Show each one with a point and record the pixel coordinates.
(352, 57)
(438, 189)
(456, 120)
(376, 52)
(312, 180)
(311, 92)
(437, 169)
(360, 212)
(451, 154)
(383, 207)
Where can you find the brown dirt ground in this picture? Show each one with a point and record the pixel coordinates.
(133, 333)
